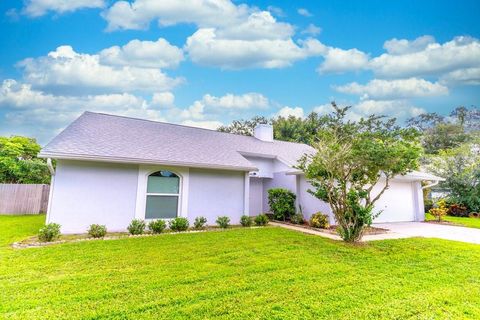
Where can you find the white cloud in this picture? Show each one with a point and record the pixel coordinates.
(65, 70)
(163, 99)
(394, 89)
(203, 13)
(144, 54)
(206, 48)
(339, 60)
(212, 125)
(400, 109)
(312, 30)
(423, 57)
(36, 8)
(276, 11)
(304, 12)
(288, 111)
(231, 101)
(468, 76)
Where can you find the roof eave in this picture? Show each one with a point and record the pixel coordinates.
(66, 156)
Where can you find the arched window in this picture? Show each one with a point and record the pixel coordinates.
(162, 195)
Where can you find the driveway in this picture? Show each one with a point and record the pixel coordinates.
(430, 230)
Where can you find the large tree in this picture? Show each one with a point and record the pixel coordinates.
(352, 158)
(19, 162)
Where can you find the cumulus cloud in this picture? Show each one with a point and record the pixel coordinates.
(212, 125)
(394, 89)
(163, 99)
(67, 71)
(467, 76)
(203, 13)
(338, 60)
(205, 47)
(304, 12)
(231, 101)
(312, 29)
(143, 54)
(37, 8)
(289, 111)
(423, 56)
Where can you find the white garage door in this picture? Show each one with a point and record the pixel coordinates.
(397, 203)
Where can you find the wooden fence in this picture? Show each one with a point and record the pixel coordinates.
(23, 198)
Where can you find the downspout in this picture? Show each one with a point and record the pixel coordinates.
(431, 184)
(52, 183)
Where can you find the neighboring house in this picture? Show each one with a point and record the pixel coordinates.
(112, 169)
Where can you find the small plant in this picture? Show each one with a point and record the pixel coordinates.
(440, 210)
(157, 226)
(49, 232)
(319, 220)
(223, 222)
(282, 203)
(199, 223)
(261, 220)
(97, 230)
(179, 224)
(457, 210)
(297, 218)
(246, 221)
(137, 226)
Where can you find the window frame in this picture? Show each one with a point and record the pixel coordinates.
(178, 195)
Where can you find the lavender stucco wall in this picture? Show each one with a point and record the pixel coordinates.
(214, 193)
(93, 192)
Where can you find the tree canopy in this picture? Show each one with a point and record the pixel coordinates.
(19, 162)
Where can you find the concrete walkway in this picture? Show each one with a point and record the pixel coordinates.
(402, 230)
(431, 230)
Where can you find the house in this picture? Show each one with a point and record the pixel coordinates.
(112, 169)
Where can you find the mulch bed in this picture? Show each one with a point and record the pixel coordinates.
(333, 229)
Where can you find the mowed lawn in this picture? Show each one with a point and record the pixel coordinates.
(260, 273)
(461, 221)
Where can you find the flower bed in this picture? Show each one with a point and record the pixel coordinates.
(333, 229)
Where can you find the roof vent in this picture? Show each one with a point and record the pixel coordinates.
(263, 132)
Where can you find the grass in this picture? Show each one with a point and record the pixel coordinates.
(461, 221)
(263, 273)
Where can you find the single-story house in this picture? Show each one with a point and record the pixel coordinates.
(112, 169)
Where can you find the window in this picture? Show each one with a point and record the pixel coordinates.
(162, 195)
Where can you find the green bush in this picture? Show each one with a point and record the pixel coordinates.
(319, 220)
(282, 203)
(261, 220)
(223, 222)
(49, 232)
(157, 226)
(179, 224)
(137, 226)
(297, 218)
(246, 221)
(199, 223)
(97, 230)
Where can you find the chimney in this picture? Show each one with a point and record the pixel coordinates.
(263, 132)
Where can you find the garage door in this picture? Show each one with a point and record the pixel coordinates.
(397, 203)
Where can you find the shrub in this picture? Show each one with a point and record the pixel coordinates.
(199, 223)
(440, 210)
(157, 226)
(457, 210)
(261, 220)
(179, 224)
(246, 221)
(223, 222)
(428, 204)
(137, 226)
(49, 232)
(297, 218)
(97, 230)
(281, 202)
(319, 220)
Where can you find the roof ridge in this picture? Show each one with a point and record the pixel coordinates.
(185, 126)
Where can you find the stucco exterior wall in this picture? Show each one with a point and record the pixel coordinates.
(92, 192)
(214, 193)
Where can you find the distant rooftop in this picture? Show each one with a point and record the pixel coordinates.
(104, 137)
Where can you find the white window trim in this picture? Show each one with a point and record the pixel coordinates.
(143, 172)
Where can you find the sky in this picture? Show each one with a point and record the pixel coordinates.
(207, 62)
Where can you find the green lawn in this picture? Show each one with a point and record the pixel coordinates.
(263, 273)
(466, 222)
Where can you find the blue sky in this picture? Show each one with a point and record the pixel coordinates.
(207, 62)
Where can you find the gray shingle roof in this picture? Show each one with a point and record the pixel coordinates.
(106, 137)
